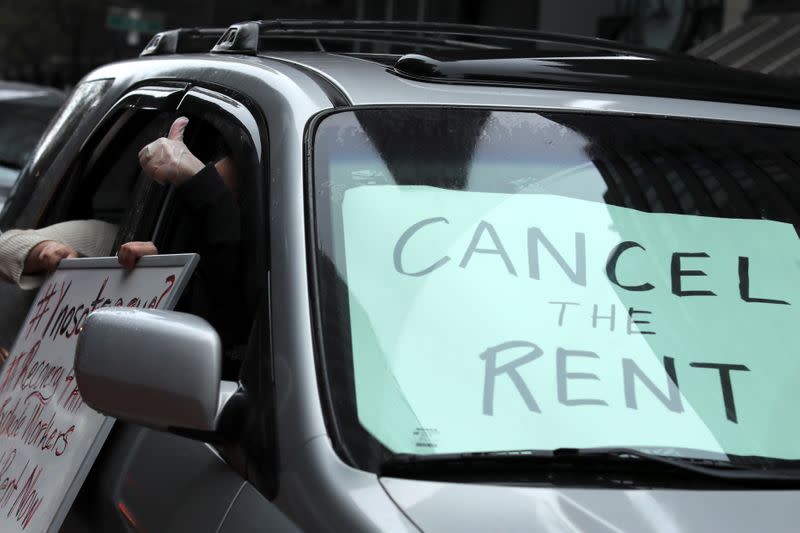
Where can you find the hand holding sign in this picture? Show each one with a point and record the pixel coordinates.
(130, 252)
(48, 437)
(45, 256)
(168, 159)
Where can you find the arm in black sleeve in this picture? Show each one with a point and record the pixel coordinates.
(215, 223)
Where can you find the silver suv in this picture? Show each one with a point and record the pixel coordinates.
(495, 280)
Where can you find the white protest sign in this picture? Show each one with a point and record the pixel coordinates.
(48, 437)
(485, 322)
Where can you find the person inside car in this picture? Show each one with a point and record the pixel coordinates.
(210, 225)
(26, 254)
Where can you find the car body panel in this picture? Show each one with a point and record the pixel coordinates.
(384, 88)
(438, 506)
(320, 492)
(152, 481)
(251, 512)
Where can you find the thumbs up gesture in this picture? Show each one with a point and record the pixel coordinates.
(168, 160)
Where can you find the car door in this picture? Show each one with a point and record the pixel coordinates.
(85, 169)
(153, 481)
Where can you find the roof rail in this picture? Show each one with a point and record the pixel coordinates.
(182, 40)
(239, 38)
(243, 38)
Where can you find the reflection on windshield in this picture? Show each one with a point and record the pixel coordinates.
(510, 280)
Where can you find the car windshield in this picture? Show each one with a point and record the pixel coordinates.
(492, 281)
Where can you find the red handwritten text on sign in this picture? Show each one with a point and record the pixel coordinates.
(45, 428)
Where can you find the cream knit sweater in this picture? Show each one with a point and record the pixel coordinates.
(90, 238)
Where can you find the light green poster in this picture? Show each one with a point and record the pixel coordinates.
(485, 321)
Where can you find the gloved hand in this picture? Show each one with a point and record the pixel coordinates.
(168, 159)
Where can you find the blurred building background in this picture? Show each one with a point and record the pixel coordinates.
(55, 42)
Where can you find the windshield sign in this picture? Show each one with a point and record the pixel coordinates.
(488, 321)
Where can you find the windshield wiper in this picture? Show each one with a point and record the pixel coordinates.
(589, 461)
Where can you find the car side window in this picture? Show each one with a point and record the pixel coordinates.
(103, 181)
(230, 287)
(106, 184)
(218, 214)
(99, 184)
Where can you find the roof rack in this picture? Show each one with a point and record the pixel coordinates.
(243, 38)
(182, 41)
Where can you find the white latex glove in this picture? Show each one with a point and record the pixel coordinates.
(168, 159)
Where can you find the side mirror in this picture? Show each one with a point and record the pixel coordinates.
(155, 368)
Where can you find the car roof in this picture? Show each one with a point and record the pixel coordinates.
(458, 54)
(546, 71)
(365, 78)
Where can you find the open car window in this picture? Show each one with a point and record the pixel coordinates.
(218, 215)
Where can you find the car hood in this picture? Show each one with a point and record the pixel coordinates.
(436, 506)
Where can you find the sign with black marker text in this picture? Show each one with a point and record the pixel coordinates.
(490, 322)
